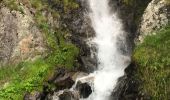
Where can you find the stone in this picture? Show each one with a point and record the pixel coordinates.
(66, 95)
(89, 64)
(62, 79)
(33, 96)
(84, 89)
(156, 16)
(20, 38)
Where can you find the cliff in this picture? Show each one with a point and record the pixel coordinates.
(43, 48)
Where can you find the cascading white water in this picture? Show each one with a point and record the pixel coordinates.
(111, 63)
(110, 39)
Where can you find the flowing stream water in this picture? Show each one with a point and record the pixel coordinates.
(111, 61)
(110, 40)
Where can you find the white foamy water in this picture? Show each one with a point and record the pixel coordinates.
(109, 38)
(111, 63)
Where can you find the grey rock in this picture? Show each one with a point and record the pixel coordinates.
(156, 16)
(20, 39)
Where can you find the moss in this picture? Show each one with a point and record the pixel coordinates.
(66, 5)
(153, 59)
(138, 7)
(69, 4)
(12, 5)
(24, 77)
(29, 76)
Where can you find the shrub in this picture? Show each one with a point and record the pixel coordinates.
(153, 58)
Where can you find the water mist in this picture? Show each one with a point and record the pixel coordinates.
(111, 61)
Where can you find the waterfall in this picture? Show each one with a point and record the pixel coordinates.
(109, 38)
(112, 52)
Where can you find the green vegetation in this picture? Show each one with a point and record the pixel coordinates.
(138, 7)
(153, 59)
(12, 5)
(69, 4)
(24, 77)
(29, 76)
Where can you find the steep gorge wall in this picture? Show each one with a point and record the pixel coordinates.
(20, 38)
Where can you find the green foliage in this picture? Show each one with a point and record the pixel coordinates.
(37, 4)
(24, 77)
(138, 7)
(62, 52)
(128, 2)
(67, 4)
(16, 80)
(12, 5)
(153, 58)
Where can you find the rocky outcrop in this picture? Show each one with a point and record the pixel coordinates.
(66, 95)
(65, 87)
(156, 16)
(20, 38)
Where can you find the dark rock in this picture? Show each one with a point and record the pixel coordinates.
(84, 89)
(89, 64)
(59, 72)
(128, 86)
(68, 95)
(62, 79)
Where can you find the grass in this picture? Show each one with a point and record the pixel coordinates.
(12, 5)
(24, 77)
(153, 59)
(29, 76)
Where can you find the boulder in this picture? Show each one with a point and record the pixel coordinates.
(156, 16)
(66, 95)
(65, 79)
(62, 78)
(84, 89)
(88, 64)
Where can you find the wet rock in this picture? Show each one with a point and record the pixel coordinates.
(62, 79)
(78, 74)
(128, 86)
(89, 64)
(66, 95)
(65, 79)
(84, 89)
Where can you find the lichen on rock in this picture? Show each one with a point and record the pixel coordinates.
(156, 16)
(20, 37)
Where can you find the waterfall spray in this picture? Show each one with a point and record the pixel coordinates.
(111, 62)
(112, 57)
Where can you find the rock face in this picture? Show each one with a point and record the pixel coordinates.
(20, 38)
(156, 15)
(66, 95)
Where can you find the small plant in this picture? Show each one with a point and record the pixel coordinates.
(13, 5)
(28, 76)
(153, 59)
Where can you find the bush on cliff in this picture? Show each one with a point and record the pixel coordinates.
(153, 59)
